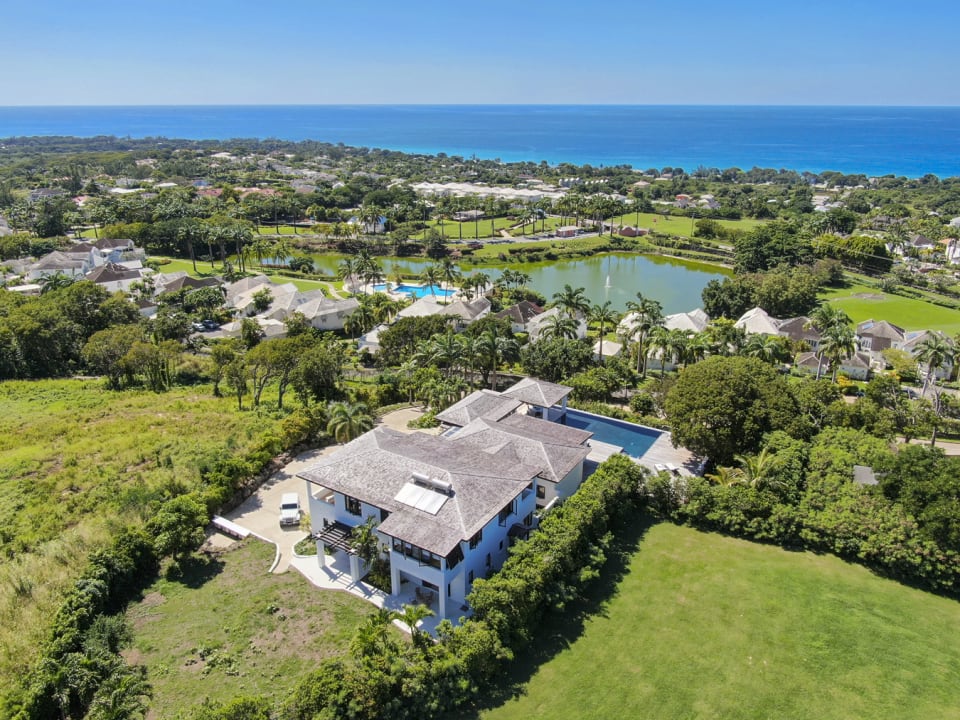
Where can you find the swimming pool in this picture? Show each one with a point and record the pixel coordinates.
(417, 291)
(634, 439)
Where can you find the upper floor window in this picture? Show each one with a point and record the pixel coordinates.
(353, 505)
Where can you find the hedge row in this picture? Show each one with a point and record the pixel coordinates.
(386, 679)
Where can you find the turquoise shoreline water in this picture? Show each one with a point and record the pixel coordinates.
(910, 141)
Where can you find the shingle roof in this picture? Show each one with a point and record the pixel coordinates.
(880, 329)
(374, 467)
(480, 403)
(554, 460)
(538, 392)
(798, 329)
(521, 313)
(112, 273)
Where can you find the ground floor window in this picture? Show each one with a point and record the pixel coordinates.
(430, 586)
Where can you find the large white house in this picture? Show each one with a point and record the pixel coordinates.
(446, 508)
(444, 511)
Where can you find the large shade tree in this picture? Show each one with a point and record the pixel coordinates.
(723, 406)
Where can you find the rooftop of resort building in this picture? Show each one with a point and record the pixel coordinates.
(479, 404)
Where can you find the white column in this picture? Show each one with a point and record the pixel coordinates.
(394, 579)
(443, 600)
(354, 568)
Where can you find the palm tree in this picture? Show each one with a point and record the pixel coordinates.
(659, 343)
(572, 301)
(493, 349)
(770, 349)
(360, 320)
(348, 421)
(934, 352)
(347, 270)
(411, 615)
(123, 695)
(432, 276)
(725, 337)
(833, 322)
(372, 638)
(281, 251)
(449, 272)
(55, 282)
(260, 248)
(603, 315)
(755, 469)
(645, 315)
(559, 326)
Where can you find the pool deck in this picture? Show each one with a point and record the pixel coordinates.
(662, 452)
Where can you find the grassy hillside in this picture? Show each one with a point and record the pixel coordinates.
(75, 460)
(227, 628)
(705, 626)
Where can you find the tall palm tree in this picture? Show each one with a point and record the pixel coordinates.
(450, 272)
(756, 469)
(492, 350)
(55, 282)
(260, 248)
(347, 270)
(833, 322)
(348, 421)
(645, 315)
(934, 352)
(837, 341)
(572, 301)
(603, 315)
(432, 276)
(281, 251)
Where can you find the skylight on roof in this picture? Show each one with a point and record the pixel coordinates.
(421, 498)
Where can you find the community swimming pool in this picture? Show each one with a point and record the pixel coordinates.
(417, 291)
(634, 439)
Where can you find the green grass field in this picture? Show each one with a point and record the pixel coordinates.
(204, 270)
(228, 628)
(75, 460)
(862, 302)
(705, 626)
(685, 226)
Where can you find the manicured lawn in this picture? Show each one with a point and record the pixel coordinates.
(685, 226)
(705, 626)
(862, 302)
(228, 628)
(204, 270)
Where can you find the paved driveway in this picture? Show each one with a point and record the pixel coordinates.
(260, 513)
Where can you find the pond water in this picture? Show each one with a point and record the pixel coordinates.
(677, 284)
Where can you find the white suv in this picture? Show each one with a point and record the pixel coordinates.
(290, 509)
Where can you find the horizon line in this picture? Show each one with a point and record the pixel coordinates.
(467, 105)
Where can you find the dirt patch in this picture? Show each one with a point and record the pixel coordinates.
(869, 296)
(152, 600)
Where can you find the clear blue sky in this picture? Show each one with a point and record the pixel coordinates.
(856, 52)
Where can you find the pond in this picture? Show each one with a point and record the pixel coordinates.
(677, 284)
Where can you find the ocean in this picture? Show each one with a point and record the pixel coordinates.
(869, 140)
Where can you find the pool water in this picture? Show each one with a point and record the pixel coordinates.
(634, 439)
(417, 291)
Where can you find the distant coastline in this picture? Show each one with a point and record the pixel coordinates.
(910, 141)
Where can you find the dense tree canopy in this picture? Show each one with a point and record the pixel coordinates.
(722, 406)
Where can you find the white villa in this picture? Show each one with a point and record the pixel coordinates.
(447, 507)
